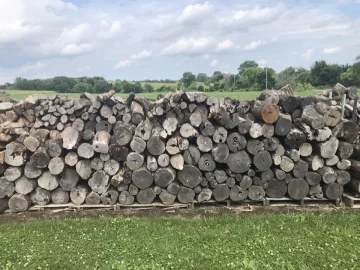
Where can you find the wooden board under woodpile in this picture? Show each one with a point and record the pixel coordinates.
(184, 147)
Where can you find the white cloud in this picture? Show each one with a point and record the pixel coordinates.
(243, 19)
(188, 46)
(75, 34)
(75, 49)
(262, 63)
(195, 13)
(309, 53)
(332, 50)
(61, 5)
(114, 31)
(123, 64)
(33, 67)
(142, 55)
(213, 63)
(254, 45)
(225, 45)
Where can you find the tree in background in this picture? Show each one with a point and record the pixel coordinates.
(148, 88)
(217, 76)
(352, 74)
(187, 79)
(201, 77)
(82, 87)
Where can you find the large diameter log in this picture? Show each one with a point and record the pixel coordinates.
(332, 117)
(142, 178)
(236, 142)
(328, 175)
(85, 150)
(56, 166)
(146, 196)
(300, 169)
(316, 192)
(31, 143)
(343, 177)
(262, 161)
(118, 153)
(24, 185)
(15, 154)
(110, 197)
(170, 125)
(346, 130)
(221, 192)
(111, 167)
(155, 146)
(70, 137)
(333, 191)
(276, 188)
(83, 169)
(268, 113)
(13, 173)
(192, 155)
(204, 195)
(19, 203)
(256, 193)
(40, 196)
(206, 163)
(238, 194)
(312, 118)
(187, 131)
(244, 126)
(207, 128)
(204, 143)
(163, 177)
(99, 182)
(143, 130)
(125, 198)
(54, 148)
(92, 198)
(123, 134)
(287, 165)
(59, 196)
(177, 162)
(190, 176)
(7, 188)
(313, 178)
(134, 161)
(344, 164)
(239, 162)
(40, 158)
(78, 194)
(138, 145)
(298, 189)
(101, 142)
(220, 152)
(69, 179)
(48, 181)
(329, 148)
(345, 150)
(295, 139)
(30, 171)
(220, 135)
(186, 195)
(332, 161)
(284, 125)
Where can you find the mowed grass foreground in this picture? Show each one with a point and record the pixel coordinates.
(226, 241)
(23, 94)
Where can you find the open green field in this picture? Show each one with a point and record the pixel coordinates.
(22, 94)
(221, 241)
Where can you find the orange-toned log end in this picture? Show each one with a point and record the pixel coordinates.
(270, 113)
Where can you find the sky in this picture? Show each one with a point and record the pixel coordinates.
(161, 39)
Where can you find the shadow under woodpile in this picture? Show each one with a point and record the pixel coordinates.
(179, 151)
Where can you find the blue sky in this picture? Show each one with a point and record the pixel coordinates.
(158, 39)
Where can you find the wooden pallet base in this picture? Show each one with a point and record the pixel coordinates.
(351, 201)
(306, 201)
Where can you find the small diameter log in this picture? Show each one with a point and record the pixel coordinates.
(88, 135)
(220, 176)
(142, 178)
(187, 131)
(221, 192)
(300, 169)
(125, 198)
(186, 195)
(173, 188)
(190, 176)
(30, 171)
(54, 149)
(256, 131)
(118, 153)
(267, 175)
(151, 163)
(192, 155)
(78, 124)
(332, 117)
(271, 144)
(111, 167)
(328, 175)
(345, 150)
(48, 181)
(204, 195)
(143, 130)
(177, 162)
(344, 164)
(31, 143)
(85, 150)
(276, 189)
(312, 118)
(19, 203)
(24, 185)
(4, 204)
(220, 152)
(170, 125)
(238, 194)
(295, 139)
(123, 134)
(134, 161)
(58, 196)
(305, 149)
(137, 113)
(101, 142)
(316, 192)
(40, 158)
(110, 197)
(333, 191)
(236, 142)
(15, 154)
(138, 145)
(164, 160)
(267, 130)
(220, 135)
(329, 148)
(315, 162)
(280, 174)
(78, 194)
(71, 159)
(167, 198)
(163, 177)
(298, 189)
(343, 177)
(83, 169)
(40, 196)
(255, 146)
(70, 137)
(262, 161)
(332, 161)
(99, 182)
(287, 165)
(284, 125)
(7, 188)
(155, 145)
(13, 173)
(244, 126)
(206, 163)
(92, 198)
(146, 196)
(256, 193)
(268, 113)
(69, 179)
(207, 128)
(204, 143)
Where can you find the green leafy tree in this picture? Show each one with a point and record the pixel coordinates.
(247, 64)
(201, 77)
(100, 86)
(187, 79)
(82, 87)
(352, 75)
(148, 88)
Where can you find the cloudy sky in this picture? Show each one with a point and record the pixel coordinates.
(158, 39)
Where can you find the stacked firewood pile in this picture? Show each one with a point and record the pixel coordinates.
(182, 148)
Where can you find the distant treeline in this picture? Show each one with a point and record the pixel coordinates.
(250, 77)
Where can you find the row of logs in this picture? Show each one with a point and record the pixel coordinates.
(185, 147)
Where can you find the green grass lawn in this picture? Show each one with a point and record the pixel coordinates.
(22, 94)
(221, 241)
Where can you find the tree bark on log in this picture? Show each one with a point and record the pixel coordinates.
(268, 113)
